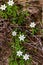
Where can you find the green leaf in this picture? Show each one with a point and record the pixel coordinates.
(14, 14)
(21, 18)
(13, 63)
(15, 8)
(34, 31)
(3, 15)
(29, 61)
(21, 62)
(9, 10)
(26, 13)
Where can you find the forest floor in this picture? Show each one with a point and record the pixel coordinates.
(33, 45)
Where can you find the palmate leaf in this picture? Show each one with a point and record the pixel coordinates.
(9, 10)
(21, 18)
(3, 15)
(14, 14)
(15, 8)
(21, 62)
(34, 31)
(13, 63)
(17, 44)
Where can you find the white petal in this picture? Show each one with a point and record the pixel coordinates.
(10, 2)
(19, 53)
(22, 37)
(3, 7)
(14, 33)
(26, 57)
(32, 25)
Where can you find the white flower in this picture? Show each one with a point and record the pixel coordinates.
(19, 53)
(10, 2)
(14, 33)
(22, 37)
(32, 25)
(3, 7)
(26, 57)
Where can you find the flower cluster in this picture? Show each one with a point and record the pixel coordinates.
(3, 7)
(18, 39)
(20, 53)
(11, 3)
(21, 37)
